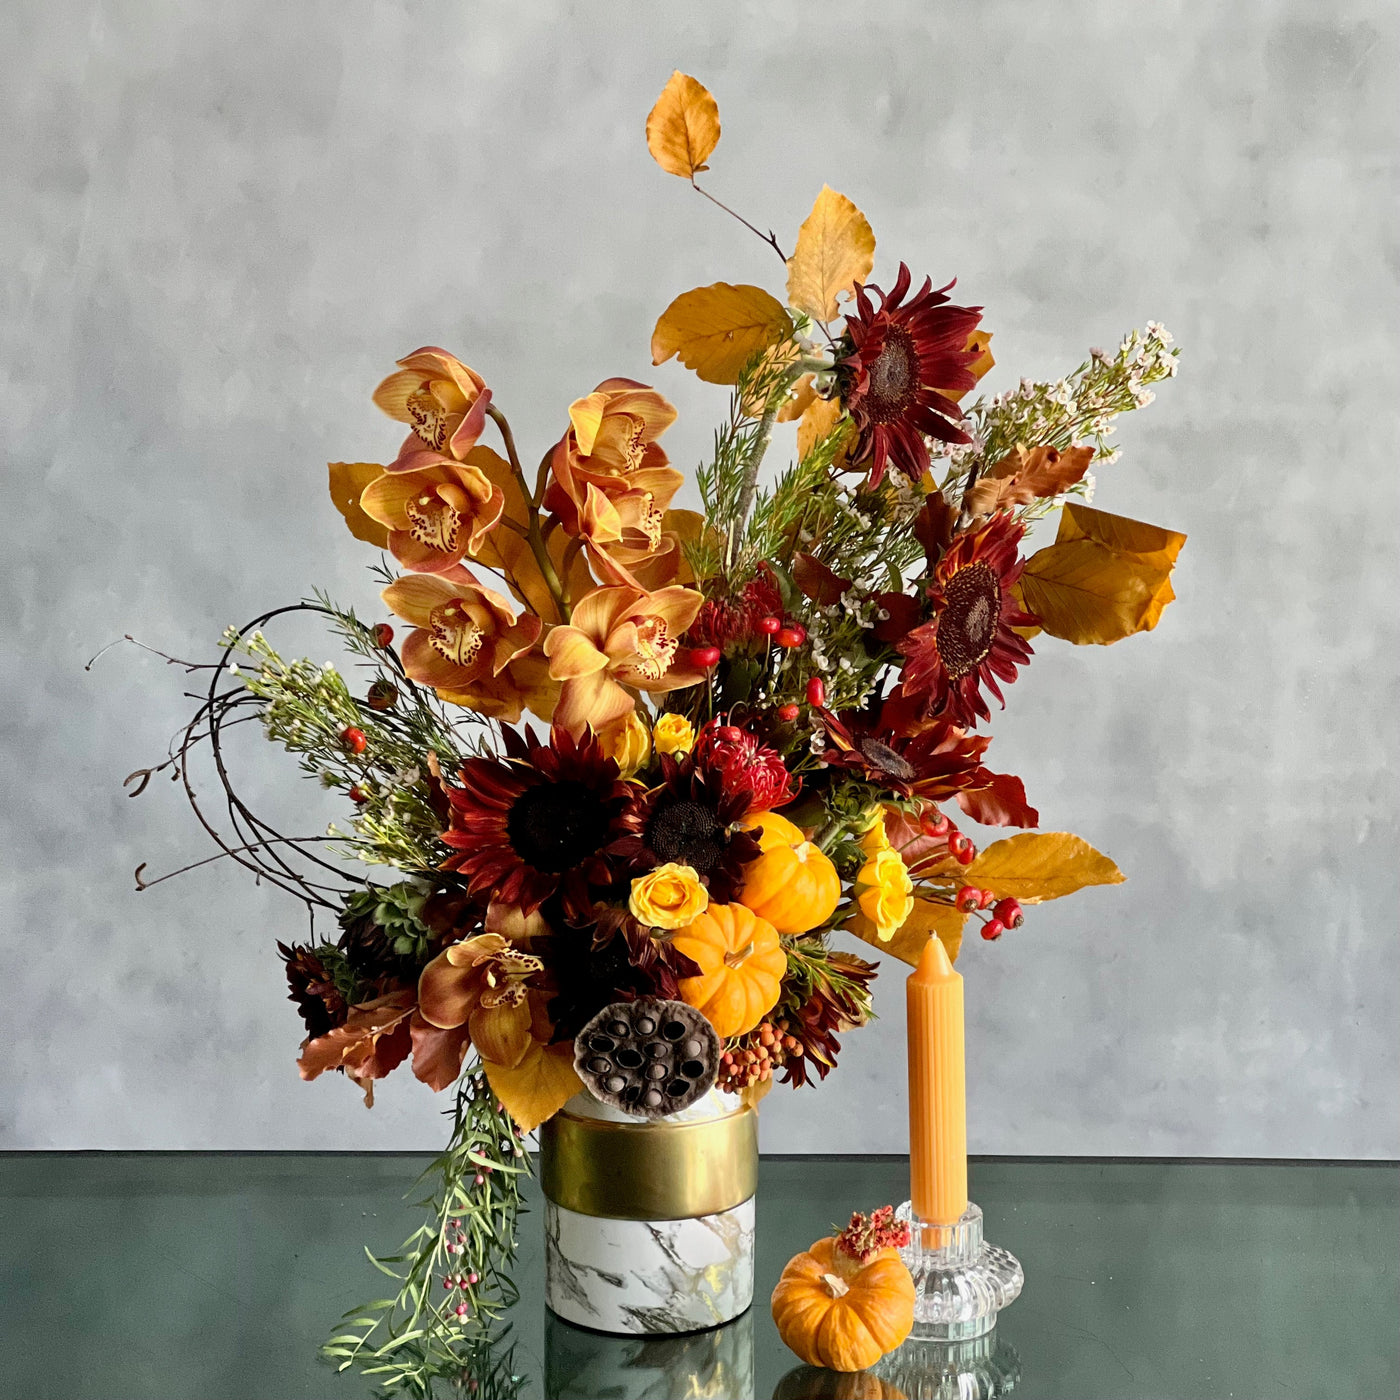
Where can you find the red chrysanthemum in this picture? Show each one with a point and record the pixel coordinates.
(902, 363)
(691, 818)
(721, 621)
(743, 761)
(537, 821)
(969, 643)
(931, 759)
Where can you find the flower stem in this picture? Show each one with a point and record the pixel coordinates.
(534, 535)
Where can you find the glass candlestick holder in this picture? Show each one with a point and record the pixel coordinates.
(961, 1282)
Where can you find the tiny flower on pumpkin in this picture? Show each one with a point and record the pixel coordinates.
(669, 897)
(885, 893)
(674, 734)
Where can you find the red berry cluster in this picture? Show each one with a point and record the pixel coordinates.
(1006, 913)
(939, 827)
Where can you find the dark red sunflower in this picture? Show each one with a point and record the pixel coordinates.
(969, 642)
(691, 818)
(536, 821)
(931, 759)
(900, 364)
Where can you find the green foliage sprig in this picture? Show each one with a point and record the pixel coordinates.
(467, 1242)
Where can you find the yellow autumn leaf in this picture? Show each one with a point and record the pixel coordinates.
(928, 918)
(1040, 865)
(539, 1086)
(683, 127)
(1104, 578)
(348, 481)
(835, 250)
(717, 330)
(819, 419)
(1152, 543)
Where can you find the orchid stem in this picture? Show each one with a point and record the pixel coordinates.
(533, 534)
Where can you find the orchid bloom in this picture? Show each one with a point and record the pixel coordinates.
(618, 637)
(442, 400)
(480, 984)
(468, 645)
(436, 513)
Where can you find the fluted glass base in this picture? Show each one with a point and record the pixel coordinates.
(961, 1282)
(983, 1368)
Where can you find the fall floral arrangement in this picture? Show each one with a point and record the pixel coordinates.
(620, 752)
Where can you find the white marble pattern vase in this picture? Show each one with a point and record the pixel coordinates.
(649, 1226)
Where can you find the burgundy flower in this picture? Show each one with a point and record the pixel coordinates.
(971, 641)
(743, 761)
(537, 821)
(902, 363)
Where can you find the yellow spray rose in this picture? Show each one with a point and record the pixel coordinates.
(628, 741)
(885, 893)
(671, 896)
(673, 734)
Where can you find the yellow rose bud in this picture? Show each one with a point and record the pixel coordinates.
(673, 734)
(628, 740)
(671, 896)
(874, 839)
(885, 893)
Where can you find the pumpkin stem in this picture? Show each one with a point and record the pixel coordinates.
(736, 959)
(839, 1287)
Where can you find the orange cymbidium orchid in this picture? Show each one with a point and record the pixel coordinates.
(632, 539)
(469, 646)
(437, 512)
(619, 637)
(479, 985)
(610, 444)
(442, 400)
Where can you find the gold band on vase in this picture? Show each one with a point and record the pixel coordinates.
(649, 1171)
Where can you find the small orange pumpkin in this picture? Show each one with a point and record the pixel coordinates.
(741, 967)
(848, 1300)
(791, 884)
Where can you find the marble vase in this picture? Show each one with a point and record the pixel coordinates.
(649, 1225)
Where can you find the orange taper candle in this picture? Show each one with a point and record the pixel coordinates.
(937, 1091)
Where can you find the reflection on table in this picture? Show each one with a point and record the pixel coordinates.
(981, 1369)
(582, 1365)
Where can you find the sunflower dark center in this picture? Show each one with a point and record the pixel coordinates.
(685, 832)
(885, 760)
(967, 626)
(894, 377)
(554, 826)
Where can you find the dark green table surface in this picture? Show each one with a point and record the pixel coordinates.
(200, 1276)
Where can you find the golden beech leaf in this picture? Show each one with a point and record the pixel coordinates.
(981, 342)
(348, 481)
(1105, 577)
(717, 330)
(835, 250)
(1022, 477)
(819, 420)
(928, 918)
(803, 396)
(1151, 542)
(539, 1086)
(683, 127)
(1040, 865)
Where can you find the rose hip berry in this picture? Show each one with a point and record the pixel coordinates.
(1009, 912)
(816, 691)
(968, 898)
(934, 828)
(770, 626)
(383, 634)
(792, 635)
(993, 929)
(705, 656)
(788, 713)
(354, 739)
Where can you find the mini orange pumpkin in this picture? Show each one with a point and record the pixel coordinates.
(741, 967)
(848, 1300)
(791, 884)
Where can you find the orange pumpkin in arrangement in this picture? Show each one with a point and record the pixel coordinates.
(792, 884)
(741, 967)
(848, 1300)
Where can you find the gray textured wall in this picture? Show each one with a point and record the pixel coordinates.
(221, 222)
